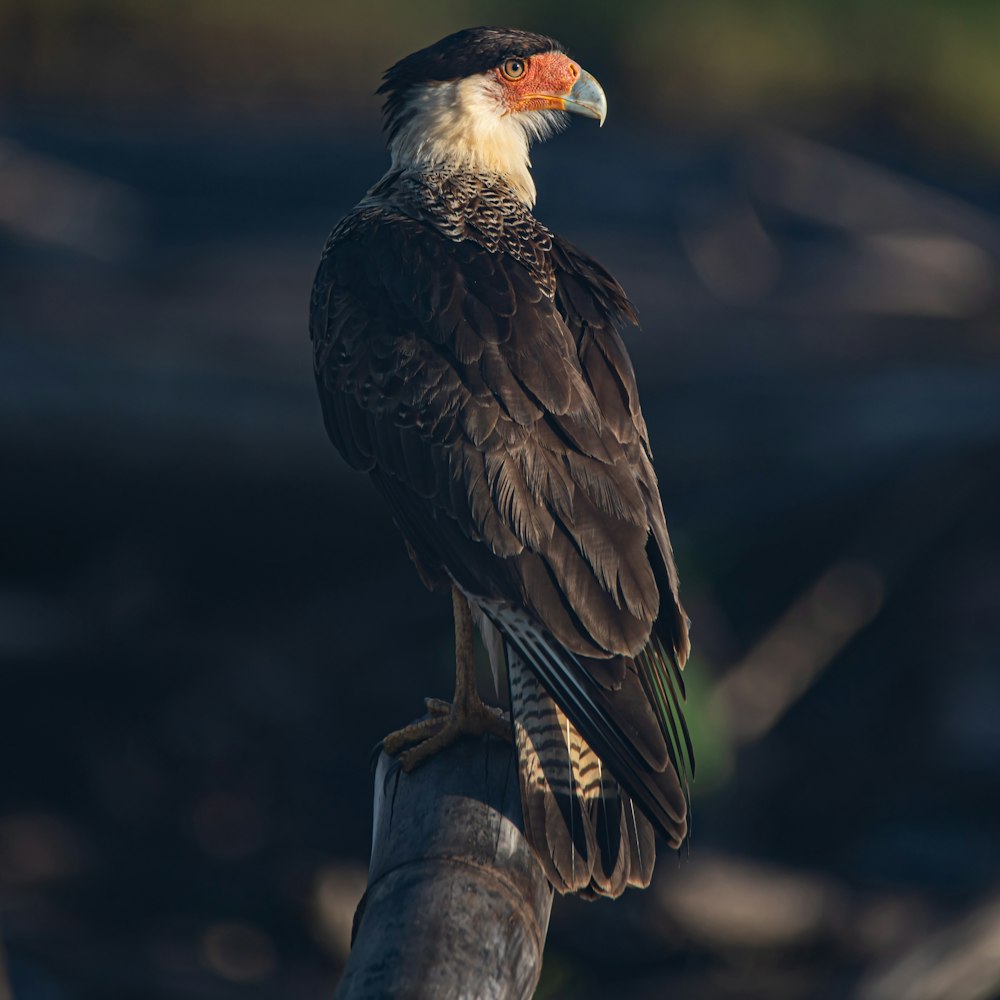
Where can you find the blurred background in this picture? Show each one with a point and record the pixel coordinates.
(206, 621)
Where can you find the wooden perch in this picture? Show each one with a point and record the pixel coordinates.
(456, 904)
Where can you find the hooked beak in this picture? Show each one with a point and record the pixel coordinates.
(586, 97)
(559, 84)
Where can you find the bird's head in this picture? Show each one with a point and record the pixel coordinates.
(477, 99)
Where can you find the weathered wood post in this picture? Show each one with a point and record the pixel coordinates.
(456, 904)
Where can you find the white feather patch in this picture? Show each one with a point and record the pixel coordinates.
(466, 124)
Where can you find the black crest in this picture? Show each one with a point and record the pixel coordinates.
(465, 53)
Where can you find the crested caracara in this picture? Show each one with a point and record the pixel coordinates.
(471, 362)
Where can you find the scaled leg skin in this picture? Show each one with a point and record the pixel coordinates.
(465, 716)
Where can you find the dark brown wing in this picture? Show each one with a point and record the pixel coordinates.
(473, 393)
(596, 309)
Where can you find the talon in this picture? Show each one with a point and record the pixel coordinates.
(416, 732)
(415, 743)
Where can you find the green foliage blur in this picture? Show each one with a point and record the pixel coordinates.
(931, 65)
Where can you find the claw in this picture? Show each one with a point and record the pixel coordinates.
(416, 732)
(449, 723)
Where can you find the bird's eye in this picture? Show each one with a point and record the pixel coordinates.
(513, 69)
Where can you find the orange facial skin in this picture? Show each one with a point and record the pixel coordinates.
(546, 81)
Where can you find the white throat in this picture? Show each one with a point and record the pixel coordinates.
(463, 124)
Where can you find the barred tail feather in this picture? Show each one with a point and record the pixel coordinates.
(648, 754)
(588, 836)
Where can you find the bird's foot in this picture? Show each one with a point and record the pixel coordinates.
(447, 723)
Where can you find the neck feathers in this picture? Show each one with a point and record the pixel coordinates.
(457, 125)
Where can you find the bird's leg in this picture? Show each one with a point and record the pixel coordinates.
(466, 715)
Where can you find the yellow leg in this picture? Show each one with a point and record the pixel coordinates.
(466, 715)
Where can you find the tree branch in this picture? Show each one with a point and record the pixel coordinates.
(456, 904)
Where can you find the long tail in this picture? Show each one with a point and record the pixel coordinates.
(587, 833)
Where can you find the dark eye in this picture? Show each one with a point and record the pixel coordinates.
(513, 69)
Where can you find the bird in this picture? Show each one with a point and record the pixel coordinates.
(471, 361)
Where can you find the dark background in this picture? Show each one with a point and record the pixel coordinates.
(206, 621)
